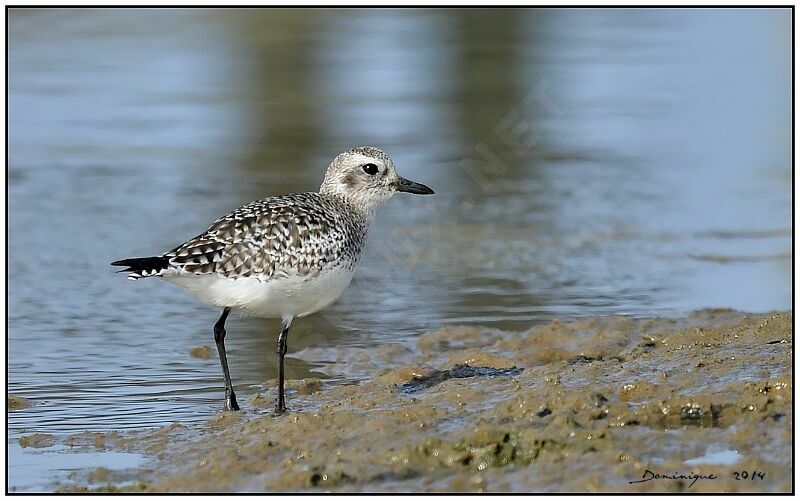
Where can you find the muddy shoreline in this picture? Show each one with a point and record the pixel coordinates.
(595, 405)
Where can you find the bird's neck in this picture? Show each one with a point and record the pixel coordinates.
(364, 212)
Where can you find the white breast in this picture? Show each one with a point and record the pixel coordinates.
(274, 298)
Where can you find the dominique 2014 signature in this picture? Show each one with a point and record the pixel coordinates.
(648, 475)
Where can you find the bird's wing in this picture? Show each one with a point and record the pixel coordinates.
(274, 237)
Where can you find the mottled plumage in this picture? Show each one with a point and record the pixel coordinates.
(300, 234)
(285, 256)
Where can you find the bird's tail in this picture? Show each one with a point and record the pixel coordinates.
(140, 267)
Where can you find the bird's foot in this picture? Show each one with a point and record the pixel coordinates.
(280, 410)
(230, 401)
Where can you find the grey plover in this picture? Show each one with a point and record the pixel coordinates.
(285, 256)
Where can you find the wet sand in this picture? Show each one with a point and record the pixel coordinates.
(590, 406)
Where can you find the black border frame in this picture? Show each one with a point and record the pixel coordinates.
(8, 8)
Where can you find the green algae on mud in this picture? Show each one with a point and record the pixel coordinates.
(15, 402)
(136, 487)
(593, 405)
(37, 441)
(202, 352)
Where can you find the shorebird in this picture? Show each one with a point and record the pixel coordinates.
(282, 257)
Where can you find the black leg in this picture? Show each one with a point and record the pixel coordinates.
(282, 348)
(219, 338)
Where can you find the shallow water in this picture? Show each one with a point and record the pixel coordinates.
(649, 174)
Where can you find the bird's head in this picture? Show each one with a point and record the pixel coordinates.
(366, 177)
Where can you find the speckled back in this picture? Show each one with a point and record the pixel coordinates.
(297, 234)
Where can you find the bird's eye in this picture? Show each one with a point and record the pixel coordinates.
(370, 169)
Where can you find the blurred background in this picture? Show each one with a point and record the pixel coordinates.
(585, 162)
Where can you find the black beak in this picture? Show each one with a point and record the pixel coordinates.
(407, 186)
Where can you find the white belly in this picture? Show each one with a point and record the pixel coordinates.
(279, 297)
